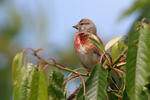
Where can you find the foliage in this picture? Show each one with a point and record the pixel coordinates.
(96, 85)
(55, 88)
(107, 81)
(138, 64)
(140, 6)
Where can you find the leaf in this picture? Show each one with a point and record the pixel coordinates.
(100, 46)
(96, 85)
(144, 96)
(22, 89)
(125, 96)
(38, 86)
(138, 60)
(117, 49)
(147, 92)
(16, 67)
(113, 41)
(33, 84)
(138, 5)
(112, 96)
(55, 87)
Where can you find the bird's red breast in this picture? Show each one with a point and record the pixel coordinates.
(81, 39)
(86, 51)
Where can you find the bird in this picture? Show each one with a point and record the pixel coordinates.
(87, 53)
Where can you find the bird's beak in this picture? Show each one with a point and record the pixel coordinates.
(76, 26)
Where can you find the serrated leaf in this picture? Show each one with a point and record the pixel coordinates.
(100, 46)
(16, 67)
(96, 85)
(138, 60)
(56, 87)
(113, 41)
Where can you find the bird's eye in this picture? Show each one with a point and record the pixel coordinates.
(84, 23)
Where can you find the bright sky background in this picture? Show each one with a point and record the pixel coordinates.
(61, 15)
(104, 13)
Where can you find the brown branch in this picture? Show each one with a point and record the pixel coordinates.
(69, 79)
(57, 65)
(73, 94)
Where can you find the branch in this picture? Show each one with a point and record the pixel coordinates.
(57, 65)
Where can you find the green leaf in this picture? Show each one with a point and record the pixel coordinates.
(113, 41)
(16, 92)
(96, 85)
(117, 49)
(125, 96)
(100, 46)
(145, 89)
(138, 5)
(22, 90)
(55, 87)
(138, 60)
(33, 84)
(144, 96)
(38, 87)
(16, 67)
(112, 96)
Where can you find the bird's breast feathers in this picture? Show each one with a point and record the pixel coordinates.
(85, 49)
(82, 42)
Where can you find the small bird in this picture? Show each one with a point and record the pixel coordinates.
(87, 52)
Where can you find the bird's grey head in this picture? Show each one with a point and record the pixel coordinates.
(86, 26)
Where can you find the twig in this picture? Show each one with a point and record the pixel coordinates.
(102, 56)
(57, 65)
(76, 70)
(66, 87)
(69, 79)
(84, 88)
(73, 94)
(109, 57)
(45, 66)
(116, 91)
(122, 71)
(39, 67)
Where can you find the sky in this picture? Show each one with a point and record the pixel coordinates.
(60, 15)
(104, 13)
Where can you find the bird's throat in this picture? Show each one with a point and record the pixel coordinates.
(81, 39)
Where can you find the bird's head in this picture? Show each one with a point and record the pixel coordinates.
(86, 26)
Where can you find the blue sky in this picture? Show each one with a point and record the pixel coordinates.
(61, 15)
(104, 13)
